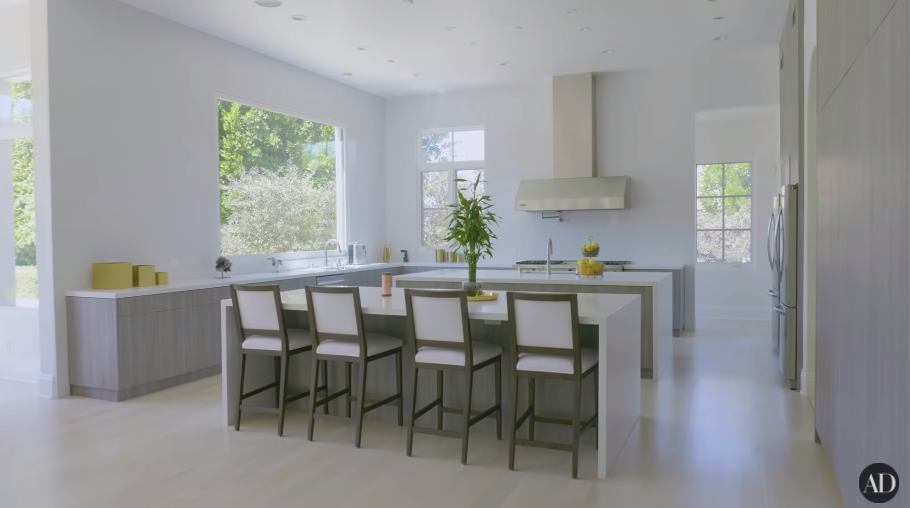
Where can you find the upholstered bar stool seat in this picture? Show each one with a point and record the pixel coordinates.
(297, 339)
(483, 351)
(376, 344)
(555, 364)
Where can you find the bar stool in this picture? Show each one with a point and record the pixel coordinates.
(336, 324)
(441, 337)
(543, 338)
(262, 331)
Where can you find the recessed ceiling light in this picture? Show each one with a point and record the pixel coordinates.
(408, 1)
(348, 74)
(390, 61)
(472, 44)
(721, 38)
(418, 74)
(449, 28)
(584, 29)
(718, 18)
(608, 51)
(571, 11)
(268, 3)
(506, 64)
(517, 28)
(298, 17)
(362, 48)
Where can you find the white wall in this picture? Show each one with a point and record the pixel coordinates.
(809, 193)
(132, 160)
(15, 47)
(645, 129)
(740, 292)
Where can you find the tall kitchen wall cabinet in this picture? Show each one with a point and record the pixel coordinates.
(862, 411)
(791, 95)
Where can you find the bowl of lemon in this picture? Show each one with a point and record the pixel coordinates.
(589, 267)
(590, 249)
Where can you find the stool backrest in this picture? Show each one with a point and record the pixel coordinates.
(257, 311)
(439, 318)
(544, 323)
(335, 313)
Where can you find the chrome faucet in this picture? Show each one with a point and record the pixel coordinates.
(549, 253)
(326, 249)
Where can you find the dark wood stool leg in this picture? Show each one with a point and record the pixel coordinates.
(596, 404)
(240, 390)
(513, 417)
(314, 375)
(361, 402)
(439, 396)
(277, 381)
(325, 382)
(413, 412)
(497, 373)
(283, 396)
(531, 397)
(347, 386)
(469, 385)
(576, 423)
(398, 387)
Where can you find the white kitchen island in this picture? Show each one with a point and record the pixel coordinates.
(612, 322)
(655, 289)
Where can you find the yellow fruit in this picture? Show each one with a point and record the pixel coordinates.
(580, 262)
(595, 245)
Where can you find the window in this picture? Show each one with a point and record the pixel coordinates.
(724, 213)
(281, 182)
(17, 162)
(446, 156)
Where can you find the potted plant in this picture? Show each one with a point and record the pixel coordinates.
(470, 222)
(276, 264)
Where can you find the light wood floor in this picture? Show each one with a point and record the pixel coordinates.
(718, 430)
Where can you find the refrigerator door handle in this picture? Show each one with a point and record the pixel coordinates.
(780, 309)
(773, 293)
(778, 232)
(768, 242)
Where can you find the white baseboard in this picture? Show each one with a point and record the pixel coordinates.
(807, 385)
(19, 370)
(47, 386)
(733, 312)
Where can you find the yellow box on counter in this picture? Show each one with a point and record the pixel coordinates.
(161, 278)
(143, 276)
(116, 275)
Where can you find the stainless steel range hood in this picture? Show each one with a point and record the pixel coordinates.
(575, 184)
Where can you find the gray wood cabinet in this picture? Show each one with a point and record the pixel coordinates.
(679, 298)
(862, 379)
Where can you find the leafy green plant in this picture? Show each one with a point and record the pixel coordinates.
(470, 222)
(276, 261)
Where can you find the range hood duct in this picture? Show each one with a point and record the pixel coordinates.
(575, 184)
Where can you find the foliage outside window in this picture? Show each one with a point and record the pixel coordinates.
(280, 177)
(16, 114)
(446, 156)
(724, 213)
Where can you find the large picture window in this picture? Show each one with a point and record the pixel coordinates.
(724, 213)
(281, 181)
(446, 156)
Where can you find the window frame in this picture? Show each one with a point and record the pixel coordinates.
(451, 168)
(723, 228)
(341, 194)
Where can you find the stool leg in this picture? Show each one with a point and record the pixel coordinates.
(467, 415)
(325, 383)
(441, 400)
(596, 404)
(413, 412)
(314, 375)
(240, 390)
(531, 397)
(347, 386)
(576, 423)
(277, 381)
(398, 388)
(513, 417)
(283, 396)
(361, 401)
(497, 373)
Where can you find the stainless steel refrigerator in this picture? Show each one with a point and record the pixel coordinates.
(783, 249)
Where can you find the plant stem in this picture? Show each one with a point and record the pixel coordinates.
(472, 271)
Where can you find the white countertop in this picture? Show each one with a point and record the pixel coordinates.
(513, 277)
(593, 308)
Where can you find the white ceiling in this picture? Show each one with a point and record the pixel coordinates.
(556, 36)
